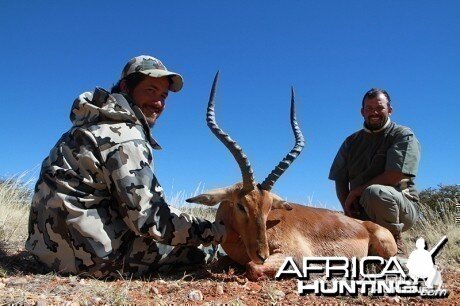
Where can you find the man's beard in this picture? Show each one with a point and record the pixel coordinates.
(375, 126)
(152, 118)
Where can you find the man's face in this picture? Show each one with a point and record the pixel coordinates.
(376, 112)
(150, 95)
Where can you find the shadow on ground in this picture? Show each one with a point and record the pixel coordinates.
(223, 266)
(19, 263)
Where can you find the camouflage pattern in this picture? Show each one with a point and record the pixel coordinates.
(98, 207)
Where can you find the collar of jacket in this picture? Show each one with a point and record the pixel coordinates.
(125, 102)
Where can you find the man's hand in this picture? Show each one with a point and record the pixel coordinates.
(352, 197)
(224, 233)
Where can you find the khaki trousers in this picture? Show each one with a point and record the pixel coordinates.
(389, 207)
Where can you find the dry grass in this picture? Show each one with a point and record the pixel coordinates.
(14, 209)
(432, 226)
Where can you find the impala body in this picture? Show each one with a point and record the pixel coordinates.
(270, 229)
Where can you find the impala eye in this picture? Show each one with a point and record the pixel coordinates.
(240, 207)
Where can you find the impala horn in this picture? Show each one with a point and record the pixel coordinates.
(232, 146)
(268, 183)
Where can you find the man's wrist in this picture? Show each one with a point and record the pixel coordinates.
(359, 190)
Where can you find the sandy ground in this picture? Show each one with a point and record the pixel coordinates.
(24, 281)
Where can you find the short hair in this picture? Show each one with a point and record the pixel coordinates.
(374, 92)
(131, 81)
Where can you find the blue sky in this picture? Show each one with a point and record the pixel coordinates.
(330, 51)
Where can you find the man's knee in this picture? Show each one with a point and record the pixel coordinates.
(378, 200)
(374, 194)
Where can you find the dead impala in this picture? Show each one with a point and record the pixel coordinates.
(271, 229)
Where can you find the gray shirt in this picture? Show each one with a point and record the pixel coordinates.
(364, 155)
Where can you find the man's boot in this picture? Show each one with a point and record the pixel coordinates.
(402, 250)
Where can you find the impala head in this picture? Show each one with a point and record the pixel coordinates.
(245, 206)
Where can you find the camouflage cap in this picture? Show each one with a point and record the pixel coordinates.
(152, 67)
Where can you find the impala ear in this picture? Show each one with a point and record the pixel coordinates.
(212, 197)
(279, 203)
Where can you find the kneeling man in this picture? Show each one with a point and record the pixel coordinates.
(375, 167)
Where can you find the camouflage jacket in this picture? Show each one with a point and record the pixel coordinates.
(97, 189)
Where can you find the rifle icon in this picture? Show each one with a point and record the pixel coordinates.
(435, 250)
